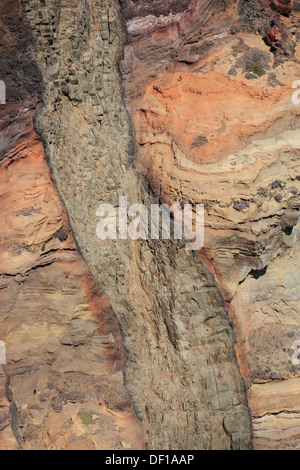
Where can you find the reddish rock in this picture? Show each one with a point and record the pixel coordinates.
(278, 38)
(206, 132)
(64, 326)
(274, 35)
(63, 376)
(284, 7)
(157, 7)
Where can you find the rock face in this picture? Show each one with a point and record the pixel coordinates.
(202, 112)
(284, 7)
(62, 384)
(274, 35)
(140, 8)
(181, 369)
(217, 125)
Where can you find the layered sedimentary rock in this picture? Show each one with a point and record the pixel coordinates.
(181, 368)
(202, 112)
(217, 125)
(62, 386)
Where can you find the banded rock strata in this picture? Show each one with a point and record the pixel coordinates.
(216, 124)
(160, 102)
(62, 386)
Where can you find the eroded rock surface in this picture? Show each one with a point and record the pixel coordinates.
(284, 7)
(202, 113)
(62, 385)
(216, 125)
(181, 369)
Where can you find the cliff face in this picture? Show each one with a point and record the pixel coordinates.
(157, 101)
(181, 368)
(215, 124)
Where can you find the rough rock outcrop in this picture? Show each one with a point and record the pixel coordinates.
(62, 386)
(274, 35)
(217, 125)
(181, 369)
(284, 7)
(202, 112)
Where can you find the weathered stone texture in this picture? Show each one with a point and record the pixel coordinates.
(62, 386)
